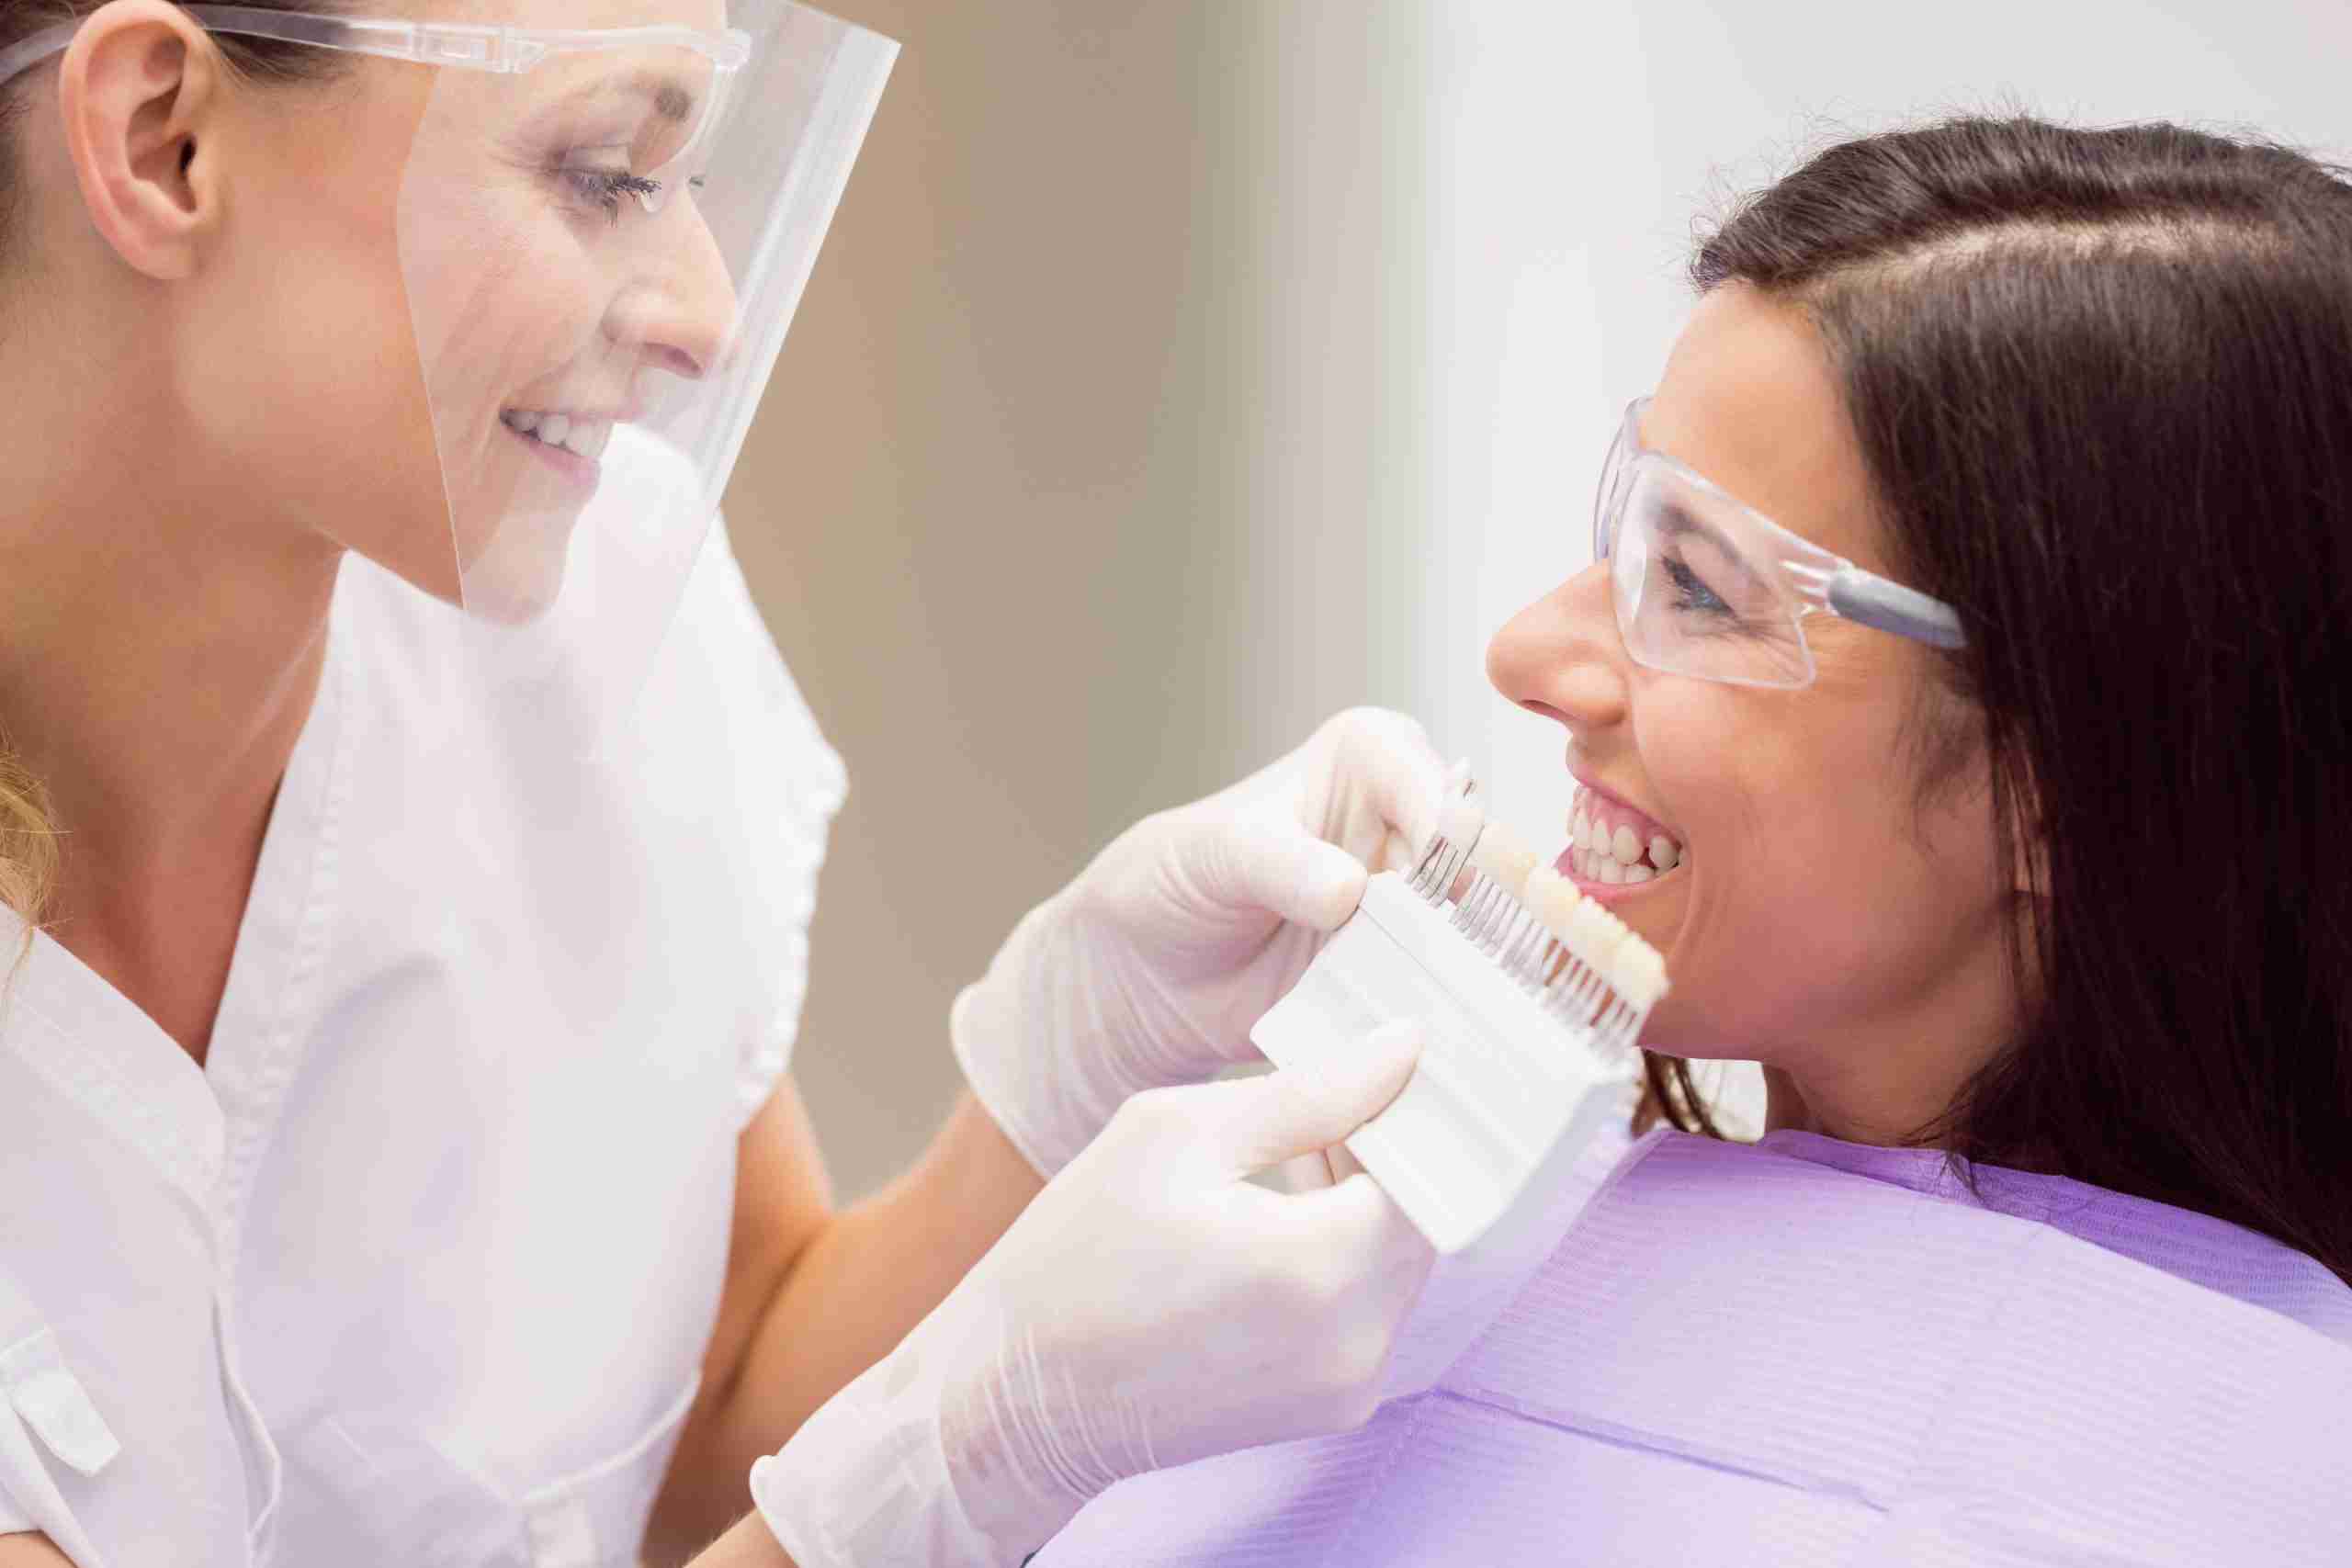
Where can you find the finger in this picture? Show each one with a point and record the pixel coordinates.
(1362, 1222)
(1397, 853)
(1389, 757)
(1265, 860)
(1296, 1112)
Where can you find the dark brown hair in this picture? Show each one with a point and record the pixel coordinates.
(2102, 380)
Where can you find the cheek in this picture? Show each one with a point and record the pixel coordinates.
(503, 290)
(504, 294)
(301, 369)
(1817, 893)
(508, 320)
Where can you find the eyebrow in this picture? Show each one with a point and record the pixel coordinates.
(671, 101)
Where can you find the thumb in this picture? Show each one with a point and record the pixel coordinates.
(1298, 1110)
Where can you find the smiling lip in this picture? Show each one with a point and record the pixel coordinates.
(1603, 790)
(579, 472)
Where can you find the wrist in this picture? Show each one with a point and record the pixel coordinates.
(1025, 1055)
(913, 1463)
(1006, 1485)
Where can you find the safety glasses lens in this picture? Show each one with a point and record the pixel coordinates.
(1697, 592)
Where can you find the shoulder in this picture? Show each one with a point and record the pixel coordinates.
(700, 825)
(717, 708)
(766, 786)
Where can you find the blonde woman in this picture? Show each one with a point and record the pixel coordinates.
(410, 841)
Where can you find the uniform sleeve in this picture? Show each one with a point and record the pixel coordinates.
(12, 1515)
(790, 784)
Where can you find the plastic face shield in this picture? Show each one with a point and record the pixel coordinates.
(604, 218)
(1707, 586)
(604, 232)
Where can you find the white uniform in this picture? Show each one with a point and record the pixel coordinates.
(419, 1266)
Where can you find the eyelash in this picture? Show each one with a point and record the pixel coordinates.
(1690, 588)
(605, 187)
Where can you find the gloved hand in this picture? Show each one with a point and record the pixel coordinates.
(1149, 969)
(1150, 1308)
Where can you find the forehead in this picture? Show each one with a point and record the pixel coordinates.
(1750, 399)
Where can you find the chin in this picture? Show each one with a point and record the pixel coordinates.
(515, 576)
(1680, 1025)
(515, 594)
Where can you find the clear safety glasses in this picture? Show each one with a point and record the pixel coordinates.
(1708, 586)
(466, 45)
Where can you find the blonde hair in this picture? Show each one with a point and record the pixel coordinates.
(29, 852)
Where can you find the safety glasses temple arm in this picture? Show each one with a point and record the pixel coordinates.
(1859, 595)
(429, 43)
(1848, 592)
(487, 49)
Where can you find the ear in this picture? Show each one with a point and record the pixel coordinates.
(139, 92)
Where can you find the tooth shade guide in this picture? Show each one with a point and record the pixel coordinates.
(1519, 992)
(1460, 824)
(1574, 956)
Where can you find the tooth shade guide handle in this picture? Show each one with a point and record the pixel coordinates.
(1501, 1075)
(1462, 821)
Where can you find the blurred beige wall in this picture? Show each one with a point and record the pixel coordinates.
(1000, 503)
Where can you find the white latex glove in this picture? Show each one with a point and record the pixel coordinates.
(1150, 1308)
(1149, 969)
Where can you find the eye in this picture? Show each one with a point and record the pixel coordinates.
(1691, 593)
(604, 189)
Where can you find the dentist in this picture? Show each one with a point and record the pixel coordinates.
(408, 839)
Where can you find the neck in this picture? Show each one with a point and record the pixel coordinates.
(159, 648)
(1895, 1074)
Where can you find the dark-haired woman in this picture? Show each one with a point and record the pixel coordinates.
(1961, 702)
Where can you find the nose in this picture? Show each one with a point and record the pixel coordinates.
(677, 310)
(1561, 656)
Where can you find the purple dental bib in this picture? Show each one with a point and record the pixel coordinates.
(1810, 1352)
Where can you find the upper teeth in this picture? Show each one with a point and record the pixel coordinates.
(573, 433)
(1609, 843)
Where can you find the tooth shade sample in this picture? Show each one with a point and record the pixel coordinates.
(1502, 859)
